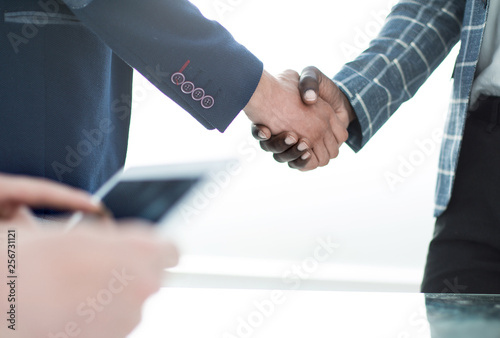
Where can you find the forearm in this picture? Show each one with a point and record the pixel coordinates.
(414, 41)
(160, 38)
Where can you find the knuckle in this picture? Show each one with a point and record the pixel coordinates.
(309, 69)
(274, 148)
(308, 167)
(297, 164)
(263, 146)
(278, 158)
(345, 135)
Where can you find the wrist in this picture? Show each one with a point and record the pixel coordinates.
(350, 111)
(260, 99)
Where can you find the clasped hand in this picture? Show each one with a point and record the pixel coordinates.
(302, 119)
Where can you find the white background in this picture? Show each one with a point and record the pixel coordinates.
(272, 213)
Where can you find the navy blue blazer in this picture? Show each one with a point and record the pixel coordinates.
(66, 79)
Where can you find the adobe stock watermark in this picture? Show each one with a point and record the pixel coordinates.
(417, 325)
(453, 286)
(292, 280)
(408, 165)
(87, 311)
(219, 181)
(93, 139)
(223, 7)
(367, 33)
(39, 19)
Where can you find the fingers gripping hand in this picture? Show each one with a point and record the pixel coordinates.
(314, 88)
(279, 107)
(285, 146)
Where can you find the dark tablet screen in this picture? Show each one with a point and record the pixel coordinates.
(150, 199)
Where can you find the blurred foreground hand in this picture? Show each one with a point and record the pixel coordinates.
(90, 282)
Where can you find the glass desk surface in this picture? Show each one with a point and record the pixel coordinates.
(186, 313)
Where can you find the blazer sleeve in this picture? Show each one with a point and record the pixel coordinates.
(194, 61)
(415, 39)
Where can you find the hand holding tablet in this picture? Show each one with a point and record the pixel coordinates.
(153, 193)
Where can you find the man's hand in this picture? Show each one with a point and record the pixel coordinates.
(17, 193)
(277, 104)
(90, 282)
(315, 88)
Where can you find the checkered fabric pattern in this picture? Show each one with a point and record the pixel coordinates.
(416, 38)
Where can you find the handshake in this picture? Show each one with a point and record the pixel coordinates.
(302, 119)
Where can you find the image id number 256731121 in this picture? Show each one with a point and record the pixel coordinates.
(11, 278)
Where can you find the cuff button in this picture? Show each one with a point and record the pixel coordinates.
(198, 94)
(207, 102)
(187, 87)
(178, 79)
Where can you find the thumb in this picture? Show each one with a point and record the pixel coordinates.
(314, 84)
(309, 85)
(260, 132)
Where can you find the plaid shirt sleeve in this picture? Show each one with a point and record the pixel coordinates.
(415, 39)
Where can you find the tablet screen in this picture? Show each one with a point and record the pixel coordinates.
(148, 199)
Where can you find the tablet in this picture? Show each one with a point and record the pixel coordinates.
(158, 193)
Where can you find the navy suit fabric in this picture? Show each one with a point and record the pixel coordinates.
(59, 85)
(66, 79)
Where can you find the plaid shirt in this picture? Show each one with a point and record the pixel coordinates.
(416, 38)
